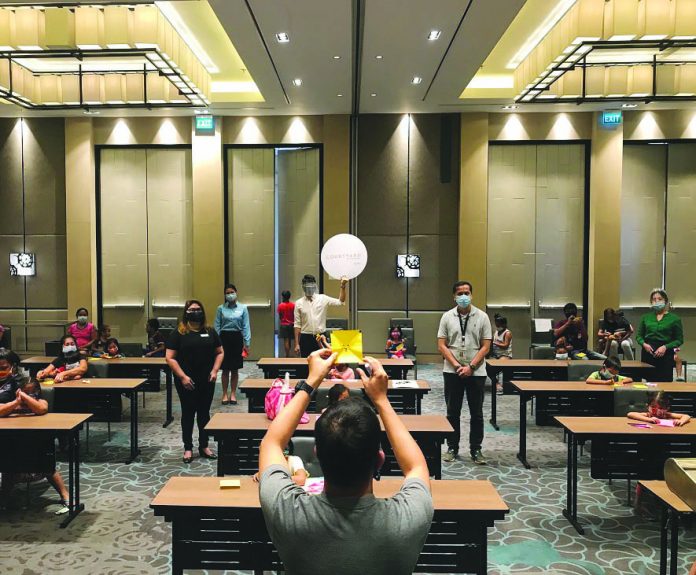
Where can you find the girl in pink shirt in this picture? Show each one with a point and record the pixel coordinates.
(341, 372)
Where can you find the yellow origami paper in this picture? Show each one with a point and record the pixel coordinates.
(348, 344)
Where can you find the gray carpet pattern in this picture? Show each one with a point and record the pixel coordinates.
(118, 534)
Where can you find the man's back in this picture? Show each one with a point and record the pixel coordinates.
(317, 534)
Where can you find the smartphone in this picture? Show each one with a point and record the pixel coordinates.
(193, 384)
(367, 369)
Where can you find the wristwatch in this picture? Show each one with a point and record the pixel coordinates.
(304, 386)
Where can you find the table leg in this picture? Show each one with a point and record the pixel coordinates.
(168, 384)
(494, 403)
(221, 457)
(663, 540)
(74, 505)
(674, 541)
(134, 450)
(176, 551)
(571, 510)
(419, 399)
(435, 457)
(522, 453)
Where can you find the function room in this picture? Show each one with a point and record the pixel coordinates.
(348, 287)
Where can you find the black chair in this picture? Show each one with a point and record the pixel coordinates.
(336, 323)
(303, 447)
(540, 339)
(132, 349)
(323, 396)
(6, 339)
(401, 322)
(52, 348)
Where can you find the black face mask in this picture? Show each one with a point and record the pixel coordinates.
(195, 315)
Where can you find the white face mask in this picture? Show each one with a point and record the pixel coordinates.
(310, 289)
(68, 349)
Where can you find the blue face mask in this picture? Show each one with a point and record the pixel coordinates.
(231, 297)
(658, 306)
(463, 300)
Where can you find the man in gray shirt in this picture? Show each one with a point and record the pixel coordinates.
(346, 529)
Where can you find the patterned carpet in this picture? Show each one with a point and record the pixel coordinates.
(118, 534)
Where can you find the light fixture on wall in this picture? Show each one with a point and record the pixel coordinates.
(407, 266)
(22, 264)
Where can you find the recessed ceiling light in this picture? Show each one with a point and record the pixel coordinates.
(200, 111)
(339, 95)
(373, 94)
(434, 34)
(510, 107)
(416, 80)
(630, 106)
(378, 57)
(297, 82)
(337, 57)
(282, 37)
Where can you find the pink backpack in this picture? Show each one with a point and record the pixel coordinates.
(278, 396)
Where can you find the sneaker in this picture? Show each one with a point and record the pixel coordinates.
(449, 456)
(478, 458)
(63, 508)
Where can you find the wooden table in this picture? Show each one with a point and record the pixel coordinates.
(101, 398)
(672, 507)
(406, 400)
(124, 367)
(627, 460)
(16, 431)
(239, 435)
(557, 398)
(273, 367)
(224, 529)
(547, 370)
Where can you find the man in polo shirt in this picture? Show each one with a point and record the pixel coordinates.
(464, 340)
(310, 314)
(346, 529)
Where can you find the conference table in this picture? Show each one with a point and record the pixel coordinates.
(672, 507)
(101, 398)
(405, 399)
(621, 451)
(297, 367)
(577, 398)
(40, 431)
(239, 435)
(547, 370)
(123, 367)
(224, 529)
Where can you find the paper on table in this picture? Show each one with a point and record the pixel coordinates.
(640, 386)
(542, 324)
(665, 422)
(230, 484)
(348, 345)
(314, 485)
(409, 383)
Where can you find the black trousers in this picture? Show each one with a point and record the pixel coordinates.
(308, 344)
(455, 388)
(663, 365)
(195, 404)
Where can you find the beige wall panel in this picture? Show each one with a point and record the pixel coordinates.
(688, 317)
(142, 131)
(48, 288)
(660, 125)
(11, 181)
(433, 289)
(38, 335)
(680, 276)
(44, 177)
(540, 126)
(560, 223)
(298, 217)
(170, 229)
(382, 177)
(432, 205)
(124, 241)
(251, 198)
(8, 317)
(378, 286)
(273, 130)
(642, 222)
(425, 325)
(375, 326)
(511, 224)
(11, 288)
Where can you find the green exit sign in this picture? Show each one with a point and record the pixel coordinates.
(611, 118)
(205, 125)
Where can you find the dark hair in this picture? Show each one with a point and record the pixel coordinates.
(102, 329)
(658, 398)
(348, 442)
(612, 362)
(609, 313)
(230, 286)
(500, 320)
(79, 309)
(397, 328)
(183, 324)
(335, 393)
(570, 308)
(109, 342)
(459, 284)
(154, 323)
(286, 295)
(662, 293)
(309, 279)
(9, 356)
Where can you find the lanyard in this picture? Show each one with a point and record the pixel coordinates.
(463, 325)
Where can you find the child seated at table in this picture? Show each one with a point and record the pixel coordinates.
(99, 346)
(338, 392)
(341, 372)
(657, 409)
(609, 374)
(155, 340)
(297, 469)
(396, 344)
(113, 349)
(70, 363)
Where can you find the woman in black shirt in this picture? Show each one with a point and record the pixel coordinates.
(70, 363)
(194, 354)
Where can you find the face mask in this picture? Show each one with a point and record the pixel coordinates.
(658, 305)
(82, 319)
(231, 297)
(463, 300)
(68, 349)
(395, 335)
(309, 289)
(561, 356)
(570, 314)
(606, 374)
(501, 329)
(195, 315)
(5, 374)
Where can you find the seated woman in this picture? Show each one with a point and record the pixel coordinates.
(69, 364)
(83, 331)
(20, 397)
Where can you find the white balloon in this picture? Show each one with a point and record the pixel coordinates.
(344, 255)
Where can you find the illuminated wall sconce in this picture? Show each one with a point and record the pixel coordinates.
(22, 264)
(407, 266)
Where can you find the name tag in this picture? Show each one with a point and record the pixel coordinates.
(205, 335)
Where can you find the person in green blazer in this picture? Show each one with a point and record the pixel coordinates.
(659, 332)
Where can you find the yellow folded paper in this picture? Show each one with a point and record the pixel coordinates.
(640, 386)
(230, 484)
(348, 344)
